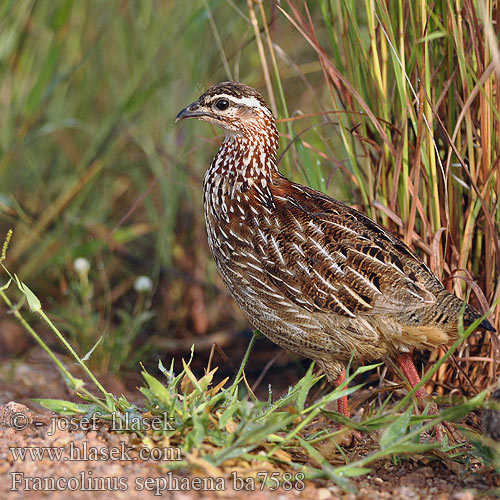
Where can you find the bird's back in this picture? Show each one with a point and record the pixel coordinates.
(318, 276)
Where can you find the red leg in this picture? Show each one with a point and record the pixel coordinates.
(405, 361)
(342, 402)
(343, 409)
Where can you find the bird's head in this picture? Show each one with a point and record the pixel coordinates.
(237, 108)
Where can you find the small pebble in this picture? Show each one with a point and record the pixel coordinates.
(323, 494)
(378, 481)
(463, 495)
(15, 415)
(335, 490)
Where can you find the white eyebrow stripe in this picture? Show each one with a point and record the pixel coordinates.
(246, 101)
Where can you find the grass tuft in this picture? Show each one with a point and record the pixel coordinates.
(216, 424)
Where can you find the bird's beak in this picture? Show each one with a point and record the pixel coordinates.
(192, 111)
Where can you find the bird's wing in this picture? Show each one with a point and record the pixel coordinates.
(326, 256)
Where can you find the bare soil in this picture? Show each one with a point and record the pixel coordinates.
(129, 476)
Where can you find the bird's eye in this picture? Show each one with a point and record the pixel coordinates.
(222, 104)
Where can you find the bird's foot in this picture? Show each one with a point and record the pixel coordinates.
(349, 437)
(423, 401)
(439, 433)
(448, 430)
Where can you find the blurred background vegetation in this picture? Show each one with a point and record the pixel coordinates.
(102, 189)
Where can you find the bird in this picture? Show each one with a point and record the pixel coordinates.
(311, 273)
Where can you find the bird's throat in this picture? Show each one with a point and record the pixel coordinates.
(241, 164)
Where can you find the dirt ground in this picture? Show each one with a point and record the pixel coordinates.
(127, 475)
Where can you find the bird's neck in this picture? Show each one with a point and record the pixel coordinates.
(245, 159)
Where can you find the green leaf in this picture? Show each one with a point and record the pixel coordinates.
(355, 471)
(339, 478)
(228, 413)
(459, 411)
(305, 386)
(157, 388)
(63, 407)
(199, 431)
(32, 299)
(365, 368)
(111, 402)
(87, 356)
(191, 376)
(4, 287)
(74, 383)
(45, 78)
(258, 334)
(60, 15)
(255, 434)
(413, 447)
(342, 419)
(396, 430)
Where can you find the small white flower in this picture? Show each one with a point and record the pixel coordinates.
(81, 265)
(143, 284)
